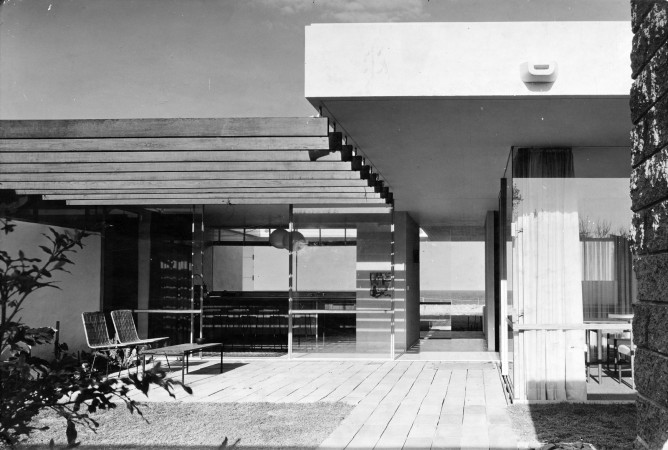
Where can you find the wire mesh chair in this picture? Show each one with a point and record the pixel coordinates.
(126, 331)
(97, 335)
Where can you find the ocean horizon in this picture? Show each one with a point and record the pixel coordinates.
(457, 297)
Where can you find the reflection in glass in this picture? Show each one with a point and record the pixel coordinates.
(342, 284)
(570, 263)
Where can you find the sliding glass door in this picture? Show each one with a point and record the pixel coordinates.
(341, 282)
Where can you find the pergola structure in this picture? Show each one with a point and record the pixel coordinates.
(186, 161)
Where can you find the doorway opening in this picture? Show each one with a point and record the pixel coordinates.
(452, 295)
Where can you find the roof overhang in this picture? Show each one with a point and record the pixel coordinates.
(443, 158)
(253, 161)
(437, 107)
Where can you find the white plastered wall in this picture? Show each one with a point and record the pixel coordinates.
(465, 59)
(79, 290)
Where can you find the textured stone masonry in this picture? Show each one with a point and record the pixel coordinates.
(650, 134)
(650, 85)
(639, 10)
(650, 228)
(649, 197)
(654, 281)
(651, 382)
(647, 331)
(652, 423)
(649, 181)
(650, 36)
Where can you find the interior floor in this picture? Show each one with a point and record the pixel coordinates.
(444, 345)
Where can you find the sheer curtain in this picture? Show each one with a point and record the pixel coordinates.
(548, 273)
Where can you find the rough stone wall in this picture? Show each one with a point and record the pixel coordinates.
(649, 194)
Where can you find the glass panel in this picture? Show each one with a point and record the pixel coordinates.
(507, 314)
(571, 263)
(452, 291)
(171, 277)
(342, 283)
(608, 281)
(247, 306)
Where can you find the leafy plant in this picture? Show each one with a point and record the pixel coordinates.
(29, 385)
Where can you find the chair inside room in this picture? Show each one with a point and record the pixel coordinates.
(305, 327)
(624, 356)
(592, 358)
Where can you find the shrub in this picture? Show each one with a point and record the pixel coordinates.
(29, 384)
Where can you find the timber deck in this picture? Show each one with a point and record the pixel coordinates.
(398, 404)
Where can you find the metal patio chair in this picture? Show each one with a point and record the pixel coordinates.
(126, 331)
(97, 335)
(625, 354)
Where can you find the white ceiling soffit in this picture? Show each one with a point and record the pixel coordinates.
(444, 158)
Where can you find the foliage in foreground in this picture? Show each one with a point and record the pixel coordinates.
(29, 385)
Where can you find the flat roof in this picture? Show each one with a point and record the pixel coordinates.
(437, 107)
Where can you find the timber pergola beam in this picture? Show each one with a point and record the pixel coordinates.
(151, 128)
(185, 161)
(248, 190)
(229, 201)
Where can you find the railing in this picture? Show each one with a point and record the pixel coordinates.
(259, 320)
(178, 328)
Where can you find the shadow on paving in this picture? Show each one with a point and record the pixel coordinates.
(214, 369)
(606, 426)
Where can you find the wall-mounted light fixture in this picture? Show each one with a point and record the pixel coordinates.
(538, 71)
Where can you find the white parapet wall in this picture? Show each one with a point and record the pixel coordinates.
(471, 59)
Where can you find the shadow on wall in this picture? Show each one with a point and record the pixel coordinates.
(78, 290)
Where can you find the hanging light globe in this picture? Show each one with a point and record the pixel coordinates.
(298, 241)
(278, 237)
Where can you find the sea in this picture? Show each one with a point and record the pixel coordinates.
(455, 297)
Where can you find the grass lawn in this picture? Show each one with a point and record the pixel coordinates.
(203, 425)
(606, 426)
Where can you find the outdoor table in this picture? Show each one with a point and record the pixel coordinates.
(183, 350)
(599, 326)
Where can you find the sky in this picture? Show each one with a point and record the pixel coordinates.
(452, 266)
(77, 59)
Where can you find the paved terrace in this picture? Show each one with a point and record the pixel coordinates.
(398, 404)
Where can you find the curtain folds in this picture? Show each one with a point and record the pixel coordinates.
(547, 284)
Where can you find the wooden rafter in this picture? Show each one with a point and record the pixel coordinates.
(129, 128)
(227, 201)
(157, 156)
(191, 191)
(165, 144)
(252, 166)
(177, 176)
(184, 161)
(213, 195)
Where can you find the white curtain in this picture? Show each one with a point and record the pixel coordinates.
(547, 284)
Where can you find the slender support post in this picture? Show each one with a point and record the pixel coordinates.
(201, 266)
(392, 250)
(290, 275)
(503, 288)
(192, 274)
